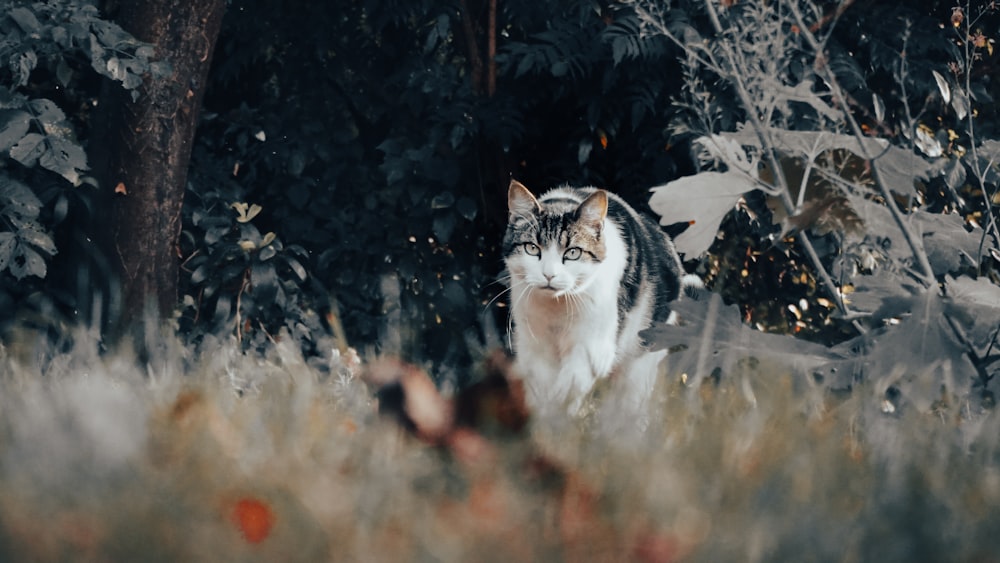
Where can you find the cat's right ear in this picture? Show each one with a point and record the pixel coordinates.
(520, 202)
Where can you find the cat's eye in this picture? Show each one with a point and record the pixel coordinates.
(531, 249)
(572, 254)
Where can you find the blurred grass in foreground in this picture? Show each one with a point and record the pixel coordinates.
(227, 457)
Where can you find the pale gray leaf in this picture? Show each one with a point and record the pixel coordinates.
(702, 201)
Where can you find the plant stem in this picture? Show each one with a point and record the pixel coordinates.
(779, 175)
(926, 272)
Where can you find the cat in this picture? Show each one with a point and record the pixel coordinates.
(587, 274)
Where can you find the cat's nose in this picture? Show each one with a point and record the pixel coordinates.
(548, 277)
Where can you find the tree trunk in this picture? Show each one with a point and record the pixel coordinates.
(144, 151)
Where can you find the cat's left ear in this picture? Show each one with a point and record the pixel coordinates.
(593, 210)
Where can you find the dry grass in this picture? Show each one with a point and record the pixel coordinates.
(101, 461)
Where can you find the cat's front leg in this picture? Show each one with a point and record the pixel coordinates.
(575, 380)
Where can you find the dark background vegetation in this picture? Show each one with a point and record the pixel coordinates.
(370, 144)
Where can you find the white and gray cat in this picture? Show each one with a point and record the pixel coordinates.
(587, 274)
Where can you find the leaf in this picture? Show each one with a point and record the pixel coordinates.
(702, 201)
(713, 337)
(48, 112)
(954, 174)
(60, 209)
(64, 157)
(26, 263)
(881, 229)
(37, 239)
(898, 167)
(879, 106)
(296, 267)
(583, 152)
(116, 70)
(871, 292)
(64, 74)
(13, 126)
(975, 305)
(443, 200)
(467, 208)
(253, 518)
(948, 244)
(18, 199)
(25, 63)
(960, 103)
(28, 149)
(7, 245)
(919, 354)
(25, 19)
(246, 211)
(266, 253)
(199, 275)
(264, 279)
(942, 85)
(444, 225)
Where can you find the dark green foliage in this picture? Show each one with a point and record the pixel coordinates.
(387, 162)
(53, 51)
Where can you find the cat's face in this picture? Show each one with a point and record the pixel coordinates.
(555, 245)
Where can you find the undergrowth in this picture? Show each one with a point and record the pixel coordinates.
(225, 456)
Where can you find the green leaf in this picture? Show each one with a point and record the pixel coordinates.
(443, 227)
(64, 157)
(64, 74)
(266, 253)
(199, 275)
(467, 208)
(7, 245)
(47, 111)
(13, 127)
(25, 19)
(26, 263)
(38, 240)
(60, 209)
(296, 267)
(28, 149)
(26, 62)
(443, 200)
(16, 199)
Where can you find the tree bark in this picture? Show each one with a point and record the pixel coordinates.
(144, 151)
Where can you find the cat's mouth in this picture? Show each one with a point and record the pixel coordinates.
(553, 290)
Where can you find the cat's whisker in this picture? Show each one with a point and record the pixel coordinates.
(495, 298)
(501, 280)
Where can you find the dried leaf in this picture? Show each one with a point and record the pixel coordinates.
(253, 518)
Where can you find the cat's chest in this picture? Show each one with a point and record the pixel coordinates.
(567, 320)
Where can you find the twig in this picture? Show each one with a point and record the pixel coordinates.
(926, 272)
(991, 226)
(779, 176)
(768, 147)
